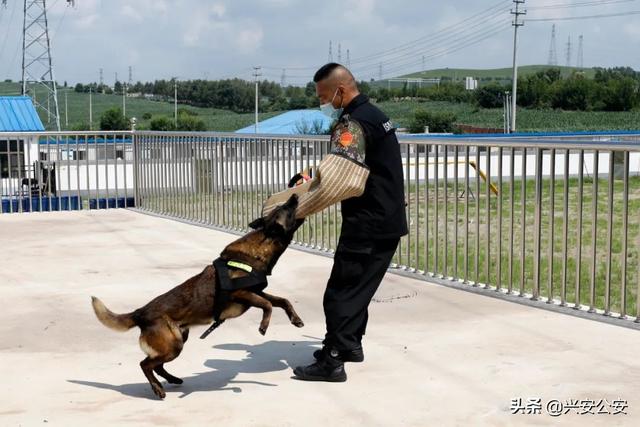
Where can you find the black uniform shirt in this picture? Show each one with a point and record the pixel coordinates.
(380, 212)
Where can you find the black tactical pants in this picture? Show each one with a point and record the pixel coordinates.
(358, 269)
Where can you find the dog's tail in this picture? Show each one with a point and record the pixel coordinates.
(117, 322)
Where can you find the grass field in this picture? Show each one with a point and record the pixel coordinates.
(400, 112)
(528, 120)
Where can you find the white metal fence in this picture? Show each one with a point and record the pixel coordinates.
(551, 221)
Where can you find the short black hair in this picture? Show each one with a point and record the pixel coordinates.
(325, 71)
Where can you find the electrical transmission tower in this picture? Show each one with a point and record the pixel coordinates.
(348, 59)
(130, 76)
(339, 53)
(380, 72)
(330, 52)
(37, 66)
(569, 52)
(101, 78)
(283, 78)
(580, 52)
(553, 56)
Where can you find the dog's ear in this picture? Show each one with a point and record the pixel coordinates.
(257, 223)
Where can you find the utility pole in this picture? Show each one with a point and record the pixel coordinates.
(175, 101)
(553, 57)
(256, 74)
(516, 23)
(124, 100)
(90, 108)
(66, 110)
(580, 62)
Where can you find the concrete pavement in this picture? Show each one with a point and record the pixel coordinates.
(434, 356)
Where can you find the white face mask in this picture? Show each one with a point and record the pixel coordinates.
(329, 110)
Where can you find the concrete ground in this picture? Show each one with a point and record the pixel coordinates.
(435, 356)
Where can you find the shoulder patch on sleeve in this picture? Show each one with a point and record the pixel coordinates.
(388, 126)
(348, 139)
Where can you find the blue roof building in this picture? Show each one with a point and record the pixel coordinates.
(295, 122)
(17, 114)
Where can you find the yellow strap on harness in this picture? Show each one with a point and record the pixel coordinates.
(241, 266)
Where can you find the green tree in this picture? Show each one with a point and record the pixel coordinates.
(576, 93)
(490, 96)
(620, 94)
(436, 121)
(162, 123)
(190, 123)
(112, 119)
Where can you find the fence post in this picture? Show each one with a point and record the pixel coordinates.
(135, 168)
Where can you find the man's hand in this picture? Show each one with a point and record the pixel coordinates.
(300, 178)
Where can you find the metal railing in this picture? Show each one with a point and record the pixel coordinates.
(549, 223)
(66, 171)
(553, 221)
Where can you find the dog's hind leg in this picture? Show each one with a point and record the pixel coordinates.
(255, 300)
(148, 365)
(162, 343)
(166, 375)
(286, 305)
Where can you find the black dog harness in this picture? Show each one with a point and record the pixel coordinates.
(256, 281)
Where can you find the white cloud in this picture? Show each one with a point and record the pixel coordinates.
(196, 34)
(249, 40)
(129, 11)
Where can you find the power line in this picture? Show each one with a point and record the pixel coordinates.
(581, 4)
(479, 18)
(575, 18)
(476, 40)
(436, 34)
(450, 44)
(6, 37)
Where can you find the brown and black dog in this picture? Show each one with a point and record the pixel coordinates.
(164, 322)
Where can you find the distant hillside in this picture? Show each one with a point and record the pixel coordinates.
(495, 74)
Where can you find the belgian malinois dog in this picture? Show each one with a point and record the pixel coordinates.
(164, 322)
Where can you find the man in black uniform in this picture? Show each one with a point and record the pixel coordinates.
(372, 224)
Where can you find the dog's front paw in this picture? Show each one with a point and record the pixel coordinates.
(262, 330)
(297, 322)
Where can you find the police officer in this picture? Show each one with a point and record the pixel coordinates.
(372, 224)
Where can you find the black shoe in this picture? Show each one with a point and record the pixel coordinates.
(355, 355)
(328, 369)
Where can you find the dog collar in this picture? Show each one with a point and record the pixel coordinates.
(240, 265)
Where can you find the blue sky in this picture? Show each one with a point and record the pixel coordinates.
(225, 38)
